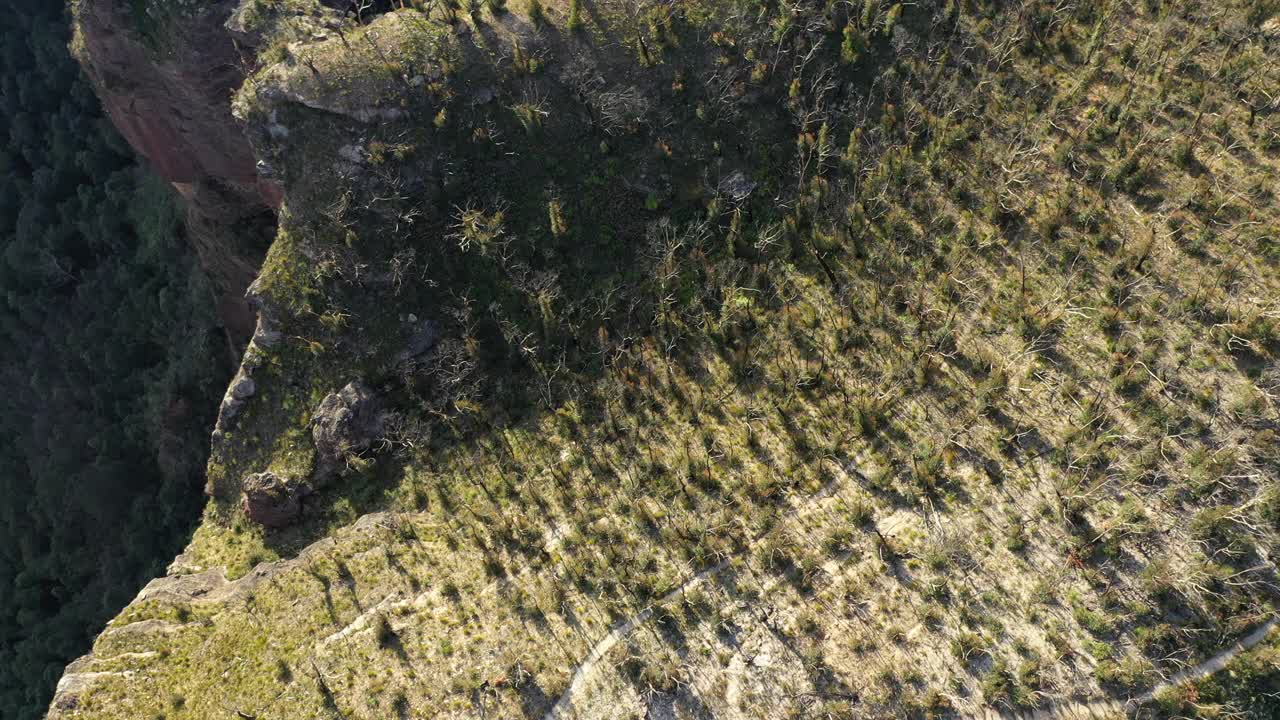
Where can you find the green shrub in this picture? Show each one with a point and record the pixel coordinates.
(536, 14)
(574, 23)
(1126, 674)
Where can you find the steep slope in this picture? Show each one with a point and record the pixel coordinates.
(737, 360)
(165, 73)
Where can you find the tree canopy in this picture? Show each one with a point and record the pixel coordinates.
(109, 359)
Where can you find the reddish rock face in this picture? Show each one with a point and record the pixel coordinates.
(272, 501)
(171, 99)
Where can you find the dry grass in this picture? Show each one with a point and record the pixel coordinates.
(951, 411)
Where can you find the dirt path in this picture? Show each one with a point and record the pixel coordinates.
(1111, 709)
(1068, 711)
(1210, 666)
(564, 705)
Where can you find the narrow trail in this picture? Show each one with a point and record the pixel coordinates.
(1111, 708)
(1066, 711)
(564, 705)
(1210, 666)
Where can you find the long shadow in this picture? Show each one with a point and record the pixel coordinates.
(348, 581)
(534, 701)
(518, 173)
(328, 595)
(401, 707)
(393, 561)
(389, 639)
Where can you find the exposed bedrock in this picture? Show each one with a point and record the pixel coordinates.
(166, 86)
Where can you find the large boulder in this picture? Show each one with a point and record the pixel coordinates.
(272, 501)
(345, 425)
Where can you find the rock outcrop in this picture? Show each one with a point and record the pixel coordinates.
(345, 424)
(272, 501)
(166, 85)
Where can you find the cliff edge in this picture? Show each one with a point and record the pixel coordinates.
(165, 73)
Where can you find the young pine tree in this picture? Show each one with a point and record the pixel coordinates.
(536, 14)
(575, 16)
(853, 45)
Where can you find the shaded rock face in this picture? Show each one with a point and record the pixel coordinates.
(345, 424)
(272, 501)
(422, 336)
(242, 387)
(170, 98)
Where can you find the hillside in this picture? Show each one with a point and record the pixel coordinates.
(723, 358)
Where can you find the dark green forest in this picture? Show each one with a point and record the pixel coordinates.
(111, 364)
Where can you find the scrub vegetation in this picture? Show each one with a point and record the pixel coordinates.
(821, 359)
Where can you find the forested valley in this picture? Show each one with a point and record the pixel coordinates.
(111, 361)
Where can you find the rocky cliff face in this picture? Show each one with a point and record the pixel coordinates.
(166, 85)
